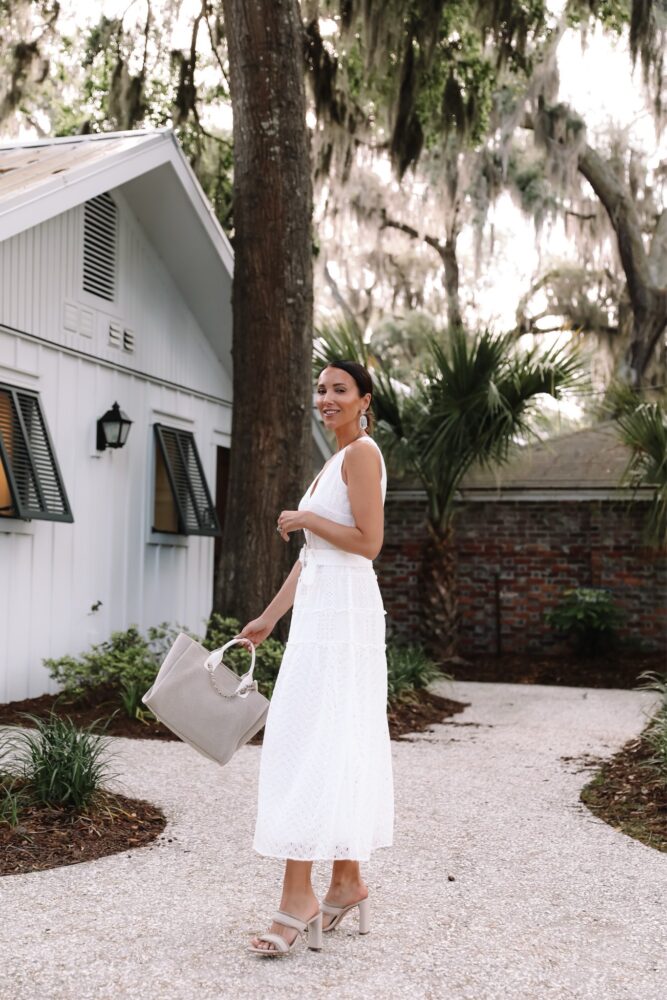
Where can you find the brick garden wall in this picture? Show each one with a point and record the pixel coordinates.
(515, 558)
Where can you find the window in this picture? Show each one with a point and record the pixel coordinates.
(30, 482)
(183, 502)
(100, 225)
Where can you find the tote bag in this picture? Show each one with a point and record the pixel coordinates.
(204, 702)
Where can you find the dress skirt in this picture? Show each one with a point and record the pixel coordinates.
(325, 782)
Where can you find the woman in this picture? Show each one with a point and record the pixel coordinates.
(325, 781)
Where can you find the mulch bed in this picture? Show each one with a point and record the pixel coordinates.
(618, 669)
(630, 794)
(411, 716)
(48, 837)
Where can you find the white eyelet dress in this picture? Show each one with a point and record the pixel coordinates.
(325, 781)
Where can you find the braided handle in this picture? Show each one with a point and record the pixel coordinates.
(246, 682)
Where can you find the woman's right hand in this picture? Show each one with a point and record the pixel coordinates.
(256, 630)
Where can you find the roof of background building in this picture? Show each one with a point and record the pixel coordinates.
(593, 458)
(584, 464)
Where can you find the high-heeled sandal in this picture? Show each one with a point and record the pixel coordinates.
(338, 912)
(312, 929)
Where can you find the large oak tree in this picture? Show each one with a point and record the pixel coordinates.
(273, 299)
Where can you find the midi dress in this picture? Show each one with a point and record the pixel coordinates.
(325, 782)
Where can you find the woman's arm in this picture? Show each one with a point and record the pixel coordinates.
(259, 628)
(364, 487)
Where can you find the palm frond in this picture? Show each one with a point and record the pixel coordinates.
(338, 341)
(644, 431)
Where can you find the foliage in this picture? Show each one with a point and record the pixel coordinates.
(338, 341)
(128, 663)
(401, 344)
(644, 430)
(409, 669)
(472, 401)
(59, 764)
(656, 736)
(588, 615)
(126, 659)
(12, 799)
(656, 733)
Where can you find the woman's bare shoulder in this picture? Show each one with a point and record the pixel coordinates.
(359, 457)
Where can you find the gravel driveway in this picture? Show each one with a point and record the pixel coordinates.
(500, 884)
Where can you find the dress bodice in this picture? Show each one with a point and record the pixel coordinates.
(331, 499)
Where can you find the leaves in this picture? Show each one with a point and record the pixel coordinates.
(644, 430)
(473, 402)
(588, 614)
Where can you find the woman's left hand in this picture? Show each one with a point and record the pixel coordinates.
(291, 520)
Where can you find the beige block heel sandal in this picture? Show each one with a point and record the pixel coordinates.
(311, 928)
(338, 912)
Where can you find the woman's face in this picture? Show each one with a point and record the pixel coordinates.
(338, 400)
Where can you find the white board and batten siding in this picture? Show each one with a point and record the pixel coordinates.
(82, 353)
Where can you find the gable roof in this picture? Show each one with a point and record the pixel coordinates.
(590, 461)
(583, 465)
(43, 178)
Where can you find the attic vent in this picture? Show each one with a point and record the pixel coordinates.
(115, 334)
(100, 223)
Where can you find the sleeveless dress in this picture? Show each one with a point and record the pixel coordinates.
(325, 781)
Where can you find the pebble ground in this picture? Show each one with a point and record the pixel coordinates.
(500, 884)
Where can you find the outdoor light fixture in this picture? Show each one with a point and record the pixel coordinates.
(112, 428)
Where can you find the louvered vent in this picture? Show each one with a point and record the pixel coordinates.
(194, 509)
(115, 334)
(34, 484)
(100, 237)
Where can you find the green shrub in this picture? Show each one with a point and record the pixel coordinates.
(58, 763)
(127, 663)
(656, 734)
(11, 800)
(409, 669)
(588, 616)
(125, 659)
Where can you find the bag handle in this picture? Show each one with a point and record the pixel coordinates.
(246, 682)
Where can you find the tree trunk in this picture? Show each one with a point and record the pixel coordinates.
(272, 301)
(644, 271)
(446, 250)
(648, 299)
(438, 593)
(451, 265)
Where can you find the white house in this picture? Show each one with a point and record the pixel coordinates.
(115, 287)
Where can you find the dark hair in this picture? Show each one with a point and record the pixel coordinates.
(363, 380)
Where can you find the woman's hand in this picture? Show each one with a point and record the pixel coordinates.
(256, 631)
(291, 520)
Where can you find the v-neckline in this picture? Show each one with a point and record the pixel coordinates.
(321, 473)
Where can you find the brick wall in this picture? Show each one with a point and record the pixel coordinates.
(513, 561)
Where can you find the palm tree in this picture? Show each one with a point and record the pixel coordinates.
(473, 401)
(643, 428)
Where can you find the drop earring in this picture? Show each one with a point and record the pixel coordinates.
(363, 422)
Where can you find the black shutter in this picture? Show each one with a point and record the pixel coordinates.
(195, 508)
(29, 460)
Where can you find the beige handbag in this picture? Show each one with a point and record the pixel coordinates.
(204, 702)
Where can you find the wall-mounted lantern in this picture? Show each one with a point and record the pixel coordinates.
(112, 428)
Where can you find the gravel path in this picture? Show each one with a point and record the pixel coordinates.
(546, 901)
